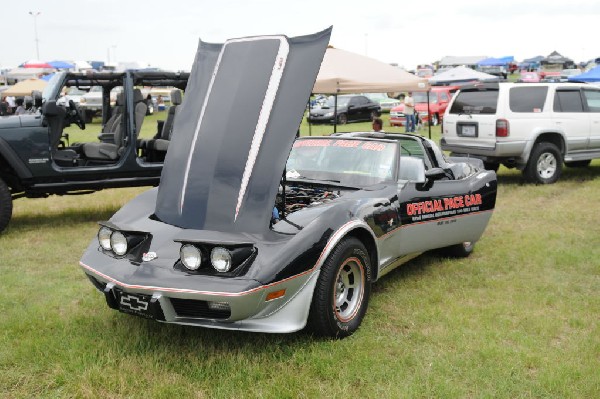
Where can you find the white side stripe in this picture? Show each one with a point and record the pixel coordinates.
(263, 118)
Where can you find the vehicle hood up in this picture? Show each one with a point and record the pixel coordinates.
(242, 109)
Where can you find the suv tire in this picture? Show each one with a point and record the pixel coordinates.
(5, 205)
(544, 165)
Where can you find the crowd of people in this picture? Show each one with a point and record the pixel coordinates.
(10, 105)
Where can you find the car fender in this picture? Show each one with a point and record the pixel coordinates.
(533, 139)
(13, 160)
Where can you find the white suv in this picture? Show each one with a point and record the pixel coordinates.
(533, 127)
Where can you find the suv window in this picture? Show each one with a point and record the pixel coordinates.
(527, 99)
(475, 102)
(592, 98)
(568, 101)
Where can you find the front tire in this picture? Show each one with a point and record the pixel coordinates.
(5, 205)
(342, 292)
(435, 120)
(342, 119)
(545, 164)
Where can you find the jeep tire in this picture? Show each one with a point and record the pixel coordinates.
(5, 205)
(545, 164)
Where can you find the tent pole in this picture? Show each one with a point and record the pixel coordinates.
(428, 114)
(335, 114)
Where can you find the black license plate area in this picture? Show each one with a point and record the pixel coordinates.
(135, 304)
(467, 130)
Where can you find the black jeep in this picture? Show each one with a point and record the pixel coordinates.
(38, 157)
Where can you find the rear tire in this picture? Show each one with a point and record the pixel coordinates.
(545, 164)
(342, 292)
(578, 164)
(5, 205)
(462, 250)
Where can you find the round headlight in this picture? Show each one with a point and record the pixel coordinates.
(104, 237)
(118, 243)
(220, 259)
(190, 257)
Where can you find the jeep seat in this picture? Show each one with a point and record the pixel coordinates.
(112, 152)
(162, 143)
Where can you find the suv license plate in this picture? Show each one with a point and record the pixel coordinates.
(135, 304)
(468, 131)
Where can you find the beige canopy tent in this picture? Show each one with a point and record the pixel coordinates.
(25, 87)
(345, 72)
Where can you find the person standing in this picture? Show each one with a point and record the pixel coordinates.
(409, 112)
(12, 105)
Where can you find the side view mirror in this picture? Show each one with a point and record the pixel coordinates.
(435, 174)
(50, 108)
(351, 106)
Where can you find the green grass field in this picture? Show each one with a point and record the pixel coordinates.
(518, 319)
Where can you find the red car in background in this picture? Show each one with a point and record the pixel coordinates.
(439, 97)
(529, 77)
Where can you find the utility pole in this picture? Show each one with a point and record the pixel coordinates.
(37, 42)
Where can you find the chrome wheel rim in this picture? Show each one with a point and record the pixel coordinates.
(349, 289)
(546, 165)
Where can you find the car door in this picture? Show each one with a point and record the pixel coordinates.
(432, 214)
(592, 103)
(354, 109)
(570, 118)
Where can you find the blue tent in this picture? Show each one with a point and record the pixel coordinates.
(47, 77)
(61, 65)
(593, 75)
(496, 61)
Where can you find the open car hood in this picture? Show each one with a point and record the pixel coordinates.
(243, 106)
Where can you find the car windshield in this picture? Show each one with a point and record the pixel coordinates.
(348, 162)
(51, 92)
(377, 96)
(342, 101)
(421, 97)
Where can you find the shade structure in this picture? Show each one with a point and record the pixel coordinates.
(25, 87)
(35, 64)
(593, 75)
(462, 74)
(345, 72)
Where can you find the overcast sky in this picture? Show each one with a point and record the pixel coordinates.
(165, 33)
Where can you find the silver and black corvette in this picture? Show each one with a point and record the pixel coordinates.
(253, 230)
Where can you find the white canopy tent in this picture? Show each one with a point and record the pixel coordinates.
(345, 72)
(462, 74)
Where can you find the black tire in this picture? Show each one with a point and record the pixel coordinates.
(342, 119)
(459, 250)
(578, 164)
(491, 166)
(342, 292)
(545, 164)
(5, 205)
